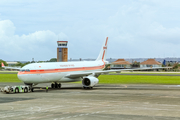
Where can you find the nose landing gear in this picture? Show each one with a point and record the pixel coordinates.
(56, 85)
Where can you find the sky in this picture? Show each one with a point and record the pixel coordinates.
(136, 28)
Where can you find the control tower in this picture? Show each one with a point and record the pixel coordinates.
(62, 51)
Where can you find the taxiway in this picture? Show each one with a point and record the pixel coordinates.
(105, 101)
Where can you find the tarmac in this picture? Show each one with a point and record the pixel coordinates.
(104, 101)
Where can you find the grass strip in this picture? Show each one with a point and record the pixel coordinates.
(9, 78)
(128, 79)
(173, 73)
(116, 79)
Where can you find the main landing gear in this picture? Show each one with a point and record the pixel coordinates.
(84, 87)
(56, 85)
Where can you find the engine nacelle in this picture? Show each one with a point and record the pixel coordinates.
(90, 81)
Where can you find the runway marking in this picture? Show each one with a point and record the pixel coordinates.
(31, 108)
(80, 115)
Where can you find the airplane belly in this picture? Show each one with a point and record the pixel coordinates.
(40, 78)
(64, 80)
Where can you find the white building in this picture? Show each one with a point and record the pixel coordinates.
(11, 63)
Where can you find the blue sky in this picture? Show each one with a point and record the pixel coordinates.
(136, 28)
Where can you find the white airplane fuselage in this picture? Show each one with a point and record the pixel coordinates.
(56, 71)
(59, 72)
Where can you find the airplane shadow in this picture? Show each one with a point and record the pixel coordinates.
(42, 89)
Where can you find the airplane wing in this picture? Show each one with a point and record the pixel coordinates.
(97, 73)
(14, 68)
(77, 75)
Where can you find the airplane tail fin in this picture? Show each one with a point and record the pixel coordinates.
(13, 68)
(2, 64)
(102, 54)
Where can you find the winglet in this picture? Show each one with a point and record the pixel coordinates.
(2, 64)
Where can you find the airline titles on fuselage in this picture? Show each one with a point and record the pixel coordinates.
(70, 65)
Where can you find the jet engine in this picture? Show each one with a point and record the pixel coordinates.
(89, 81)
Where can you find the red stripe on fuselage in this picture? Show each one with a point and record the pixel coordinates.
(103, 55)
(60, 70)
(106, 41)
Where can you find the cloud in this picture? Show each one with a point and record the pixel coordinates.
(25, 47)
(6, 28)
(142, 27)
(159, 33)
(138, 20)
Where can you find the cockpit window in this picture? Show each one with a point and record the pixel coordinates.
(23, 70)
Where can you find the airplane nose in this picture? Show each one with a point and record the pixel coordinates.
(20, 76)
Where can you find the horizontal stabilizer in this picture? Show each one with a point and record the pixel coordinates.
(2, 64)
(13, 68)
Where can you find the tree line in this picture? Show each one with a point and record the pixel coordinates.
(20, 64)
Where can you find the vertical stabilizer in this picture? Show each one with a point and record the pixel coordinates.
(2, 64)
(102, 54)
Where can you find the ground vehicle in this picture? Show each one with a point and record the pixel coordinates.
(17, 89)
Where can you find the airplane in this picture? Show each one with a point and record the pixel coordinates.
(60, 72)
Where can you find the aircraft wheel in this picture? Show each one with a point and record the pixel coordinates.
(16, 90)
(87, 87)
(29, 89)
(56, 85)
(84, 87)
(59, 85)
(25, 90)
(11, 90)
(52, 85)
(32, 89)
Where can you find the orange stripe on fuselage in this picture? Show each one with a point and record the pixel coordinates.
(106, 41)
(60, 70)
(103, 55)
